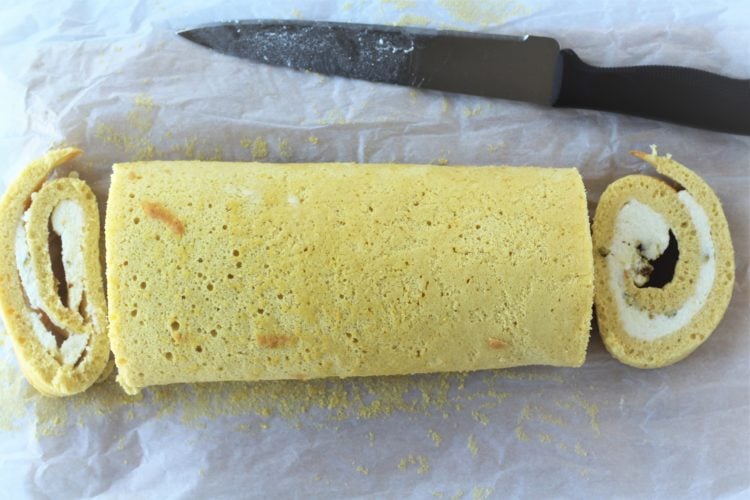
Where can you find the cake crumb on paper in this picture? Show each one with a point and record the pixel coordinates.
(481, 492)
(480, 417)
(472, 445)
(472, 111)
(285, 150)
(420, 461)
(483, 13)
(362, 470)
(544, 438)
(580, 450)
(521, 434)
(412, 20)
(260, 149)
(436, 438)
(400, 4)
(592, 410)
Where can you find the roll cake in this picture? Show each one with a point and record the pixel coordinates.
(664, 264)
(251, 271)
(51, 291)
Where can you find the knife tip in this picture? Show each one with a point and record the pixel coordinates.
(194, 35)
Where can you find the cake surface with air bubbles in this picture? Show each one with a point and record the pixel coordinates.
(250, 271)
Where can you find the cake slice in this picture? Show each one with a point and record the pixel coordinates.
(51, 290)
(664, 264)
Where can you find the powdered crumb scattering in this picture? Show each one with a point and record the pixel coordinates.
(412, 20)
(481, 492)
(472, 445)
(486, 13)
(419, 463)
(14, 393)
(436, 438)
(362, 470)
(260, 149)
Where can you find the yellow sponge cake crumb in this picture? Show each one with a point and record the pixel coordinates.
(252, 271)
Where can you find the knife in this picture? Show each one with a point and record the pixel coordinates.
(527, 68)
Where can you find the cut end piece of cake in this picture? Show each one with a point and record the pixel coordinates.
(51, 289)
(664, 264)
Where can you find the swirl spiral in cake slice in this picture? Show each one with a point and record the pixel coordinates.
(664, 264)
(51, 289)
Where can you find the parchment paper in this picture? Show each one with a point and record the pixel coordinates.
(112, 78)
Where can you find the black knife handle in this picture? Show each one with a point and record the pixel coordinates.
(668, 93)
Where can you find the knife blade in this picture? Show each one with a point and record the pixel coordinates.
(528, 68)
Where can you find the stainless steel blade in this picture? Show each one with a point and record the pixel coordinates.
(519, 68)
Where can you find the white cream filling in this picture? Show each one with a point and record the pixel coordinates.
(25, 269)
(43, 335)
(641, 234)
(73, 347)
(636, 224)
(67, 220)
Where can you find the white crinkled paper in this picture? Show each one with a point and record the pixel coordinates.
(112, 78)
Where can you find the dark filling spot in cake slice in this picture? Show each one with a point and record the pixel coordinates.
(80, 358)
(660, 271)
(58, 268)
(82, 307)
(59, 333)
